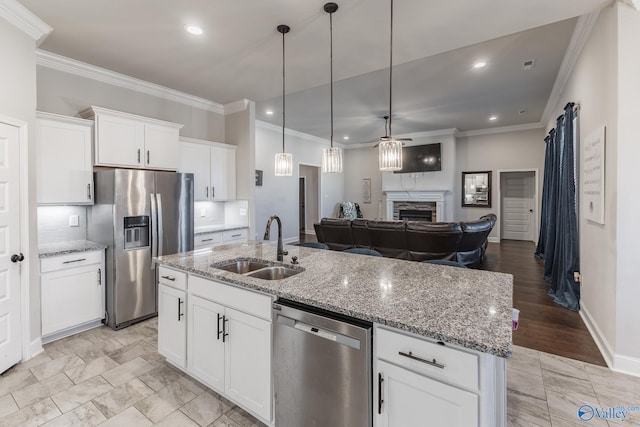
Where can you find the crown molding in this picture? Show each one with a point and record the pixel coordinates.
(82, 69)
(290, 132)
(236, 106)
(578, 39)
(25, 20)
(633, 3)
(504, 129)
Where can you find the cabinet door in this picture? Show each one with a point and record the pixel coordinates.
(161, 145)
(206, 346)
(223, 173)
(71, 297)
(248, 362)
(119, 141)
(196, 159)
(410, 399)
(172, 324)
(64, 165)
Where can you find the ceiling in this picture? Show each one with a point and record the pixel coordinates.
(240, 53)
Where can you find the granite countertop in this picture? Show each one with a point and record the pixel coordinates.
(471, 308)
(216, 228)
(63, 248)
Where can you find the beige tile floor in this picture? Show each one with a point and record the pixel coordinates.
(108, 378)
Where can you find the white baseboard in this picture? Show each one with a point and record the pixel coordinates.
(626, 365)
(35, 348)
(597, 335)
(493, 240)
(310, 232)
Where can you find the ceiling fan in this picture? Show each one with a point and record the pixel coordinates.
(386, 136)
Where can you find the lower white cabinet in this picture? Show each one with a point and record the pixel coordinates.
(206, 346)
(220, 238)
(408, 398)
(172, 324)
(72, 292)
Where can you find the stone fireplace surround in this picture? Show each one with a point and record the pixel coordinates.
(419, 200)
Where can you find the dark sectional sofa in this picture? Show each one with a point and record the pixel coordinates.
(464, 242)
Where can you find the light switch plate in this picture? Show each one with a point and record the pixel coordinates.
(74, 221)
(203, 212)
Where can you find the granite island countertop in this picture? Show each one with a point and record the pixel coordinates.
(470, 308)
(70, 247)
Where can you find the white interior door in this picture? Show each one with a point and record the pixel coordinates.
(10, 338)
(518, 209)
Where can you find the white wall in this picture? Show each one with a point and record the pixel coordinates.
(362, 163)
(68, 94)
(279, 194)
(18, 101)
(509, 150)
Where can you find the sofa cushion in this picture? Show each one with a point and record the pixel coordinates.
(389, 238)
(427, 240)
(336, 233)
(360, 233)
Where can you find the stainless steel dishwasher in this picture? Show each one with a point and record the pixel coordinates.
(322, 368)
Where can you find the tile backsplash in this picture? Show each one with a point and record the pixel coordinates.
(208, 213)
(53, 224)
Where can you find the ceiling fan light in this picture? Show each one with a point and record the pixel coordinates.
(284, 164)
(390, 155)
(332, 160)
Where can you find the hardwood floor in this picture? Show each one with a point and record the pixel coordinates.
(544, 325)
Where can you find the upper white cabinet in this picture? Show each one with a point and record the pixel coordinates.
(127, 140)
(64, 171)
(213, 166)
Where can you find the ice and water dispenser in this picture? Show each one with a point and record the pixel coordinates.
(136, 232)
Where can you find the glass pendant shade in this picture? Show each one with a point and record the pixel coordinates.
(284, 164)
(332, 160)
(390, 155)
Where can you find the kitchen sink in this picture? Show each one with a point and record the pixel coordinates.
(241, 265)
(259, 269)
(275, 273)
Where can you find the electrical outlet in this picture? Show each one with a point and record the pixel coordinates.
(74, 221)
(203, 212)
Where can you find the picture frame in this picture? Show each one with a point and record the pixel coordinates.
(366, 190)
(476, 189)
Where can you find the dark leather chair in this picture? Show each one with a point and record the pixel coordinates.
(427, 241)
(318, 229)
(474, 237)
(360, 233)
(336, 233)
(389, 238)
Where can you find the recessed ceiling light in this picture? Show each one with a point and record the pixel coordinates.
(493, 118)
(193, 29)
(480, 64)
(345, 137)
(269, 113)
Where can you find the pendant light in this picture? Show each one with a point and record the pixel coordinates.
(331, 157)
(284, 161)
(390, 148)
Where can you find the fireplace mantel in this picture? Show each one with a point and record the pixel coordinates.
(437, 196)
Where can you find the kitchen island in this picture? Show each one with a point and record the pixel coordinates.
(464, 313)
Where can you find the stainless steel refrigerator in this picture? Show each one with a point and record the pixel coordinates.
(140, 215)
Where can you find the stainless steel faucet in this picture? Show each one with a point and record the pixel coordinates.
(281, 252)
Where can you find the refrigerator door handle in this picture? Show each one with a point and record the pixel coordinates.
(154, 230)
(159, 225)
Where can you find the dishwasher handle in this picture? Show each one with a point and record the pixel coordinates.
(319, 332)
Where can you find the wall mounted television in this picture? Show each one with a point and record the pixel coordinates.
(421, 158)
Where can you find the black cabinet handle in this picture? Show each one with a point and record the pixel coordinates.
(207, 187)
(89, 191)
(173, 279)
(99, 277)
(138, 156)
(236, 235)
(420, 359)
(64, 262)
(224, 328)
(180, 302)
(206, 240)
(380, 401)
(148, 156)
(213, 192)
(219, 331)
(17, 258)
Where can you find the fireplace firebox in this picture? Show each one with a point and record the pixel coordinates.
(415, 215)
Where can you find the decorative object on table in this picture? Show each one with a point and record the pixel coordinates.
(476, 189)
(258, 178)
(366, 190)
(284, 161)
(593, 176)
(390, 148)
(332, 156)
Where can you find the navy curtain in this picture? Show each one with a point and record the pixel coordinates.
(558, 240)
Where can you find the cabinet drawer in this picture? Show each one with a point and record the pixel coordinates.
(249, 302)
(205, 240)
(460, 368)
(173, 278)
(76, 259)
(233, 235)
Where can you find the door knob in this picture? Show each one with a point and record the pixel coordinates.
(531, 210)
(17, 258)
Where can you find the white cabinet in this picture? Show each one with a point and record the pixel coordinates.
(127, 140)
(220, 238)
(172, 319)
(229, 342)
(72, 293)
(64, 170)
(213, 166)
